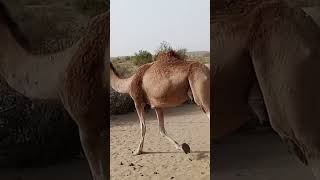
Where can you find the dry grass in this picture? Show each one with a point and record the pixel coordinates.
(125, 67)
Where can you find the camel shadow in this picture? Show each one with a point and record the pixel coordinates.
(199, 154)
(202, 155)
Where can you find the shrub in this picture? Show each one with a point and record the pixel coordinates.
(142, 57)
(127, 58)
(166, 47)
(182, 53)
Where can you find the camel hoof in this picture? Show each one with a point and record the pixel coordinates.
(135, 153)
(186, 148)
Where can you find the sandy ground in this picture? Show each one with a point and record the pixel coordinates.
(74, 170)
(162, 161)
(256, 156)
(243, 156)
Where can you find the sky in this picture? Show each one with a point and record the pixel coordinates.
(144, 24)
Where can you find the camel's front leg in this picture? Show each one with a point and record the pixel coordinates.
(140, 112)
(163, 132)
(94, 145)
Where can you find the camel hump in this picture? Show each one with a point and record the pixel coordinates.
(167, 55)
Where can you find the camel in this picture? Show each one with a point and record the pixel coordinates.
(167, 82)
(278, 45)
(76, 77)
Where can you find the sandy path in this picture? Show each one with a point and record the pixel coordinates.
(258, 156)
(185, 124)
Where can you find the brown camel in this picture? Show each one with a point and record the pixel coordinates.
(75, 77)
(278, 45)
(167, 82)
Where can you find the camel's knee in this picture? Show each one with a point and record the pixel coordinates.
(92, 135)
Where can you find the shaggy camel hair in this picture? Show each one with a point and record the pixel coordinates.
(75, 77)
(167, 82)
(278, 45)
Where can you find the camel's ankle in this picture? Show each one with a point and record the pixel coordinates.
(137, 152)
(178, 147)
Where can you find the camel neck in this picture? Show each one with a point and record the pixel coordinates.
(35, 76)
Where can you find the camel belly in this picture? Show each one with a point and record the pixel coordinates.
(167, 96)
(167, 102)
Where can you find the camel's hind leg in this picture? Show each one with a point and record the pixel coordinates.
(199, 80)
(93, 137)
(94, 144)
(140, 112)
(162, 130)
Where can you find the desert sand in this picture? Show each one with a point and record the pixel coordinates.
(256, 156)
(187, 124)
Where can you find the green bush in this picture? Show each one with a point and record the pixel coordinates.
(142, 57)
(182, 53)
